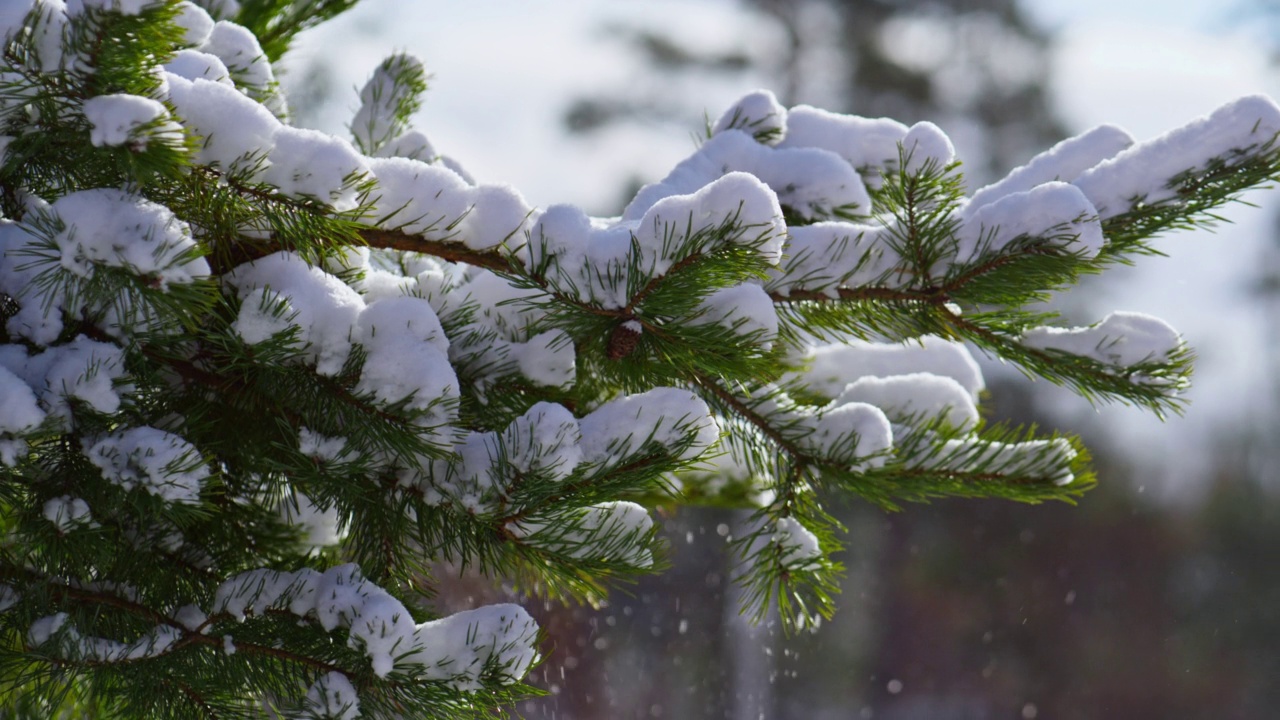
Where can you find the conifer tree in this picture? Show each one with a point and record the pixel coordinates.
(255, 379)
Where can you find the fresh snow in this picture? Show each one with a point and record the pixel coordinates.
(545, 440)
(415, 145)
(610, 531)
(192, 618)
(845, 431)
(12, 16)
(20, 412)
(281, 291)
(159, 462)
(331, 697)
(1035, 458)
(79, 233)
(83, 370)
(758, 114)
(827, 256)
(1053, 211)
(546, 359)
(96, 649)
(310, 164)
(869, 145)
(116, 229)
(48, 32)
(195, 22)
(120, 118)
(319, 447)
(195, 65)
(915, 397)
(1121, 339)
(390, 310)
(588, 258)
(437, 203)
(668, 417)
(67, 513)
(1143, 172)
(236, 133)
(747, 309)
(238, 49)
(926, 147)
(813, 182)
(320, 528)
(1063, 162)
(380, 98)
(402, 369)
(798, 547)
(496, 641)
(832, 367)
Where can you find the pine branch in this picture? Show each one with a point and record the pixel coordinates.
(1148, 384)
(1199, 192)
(232, 346)
(448, 251)
(277, 22)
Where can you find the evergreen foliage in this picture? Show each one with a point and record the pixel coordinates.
(255, 380)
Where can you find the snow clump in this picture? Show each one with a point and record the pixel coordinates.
(83, 371)
(494, 642)
(609, 532)
(1063, 162)
(1121, 339)
(121, 118)
(812, 182)
(331, 697)
(20, 414)
(1143, 172)
(67, 513)
(798, 546)
(758, 114)
(161, 463)
(869, 145)
(73, 645)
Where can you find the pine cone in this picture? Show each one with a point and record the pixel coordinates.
(623, 339)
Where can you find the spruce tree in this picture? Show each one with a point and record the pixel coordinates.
(257, 381)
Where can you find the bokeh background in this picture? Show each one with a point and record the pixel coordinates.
(1157, 597)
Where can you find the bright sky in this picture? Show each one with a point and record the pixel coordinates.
(1148, 72)
(505, 71)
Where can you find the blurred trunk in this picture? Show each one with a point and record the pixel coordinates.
(749, 649)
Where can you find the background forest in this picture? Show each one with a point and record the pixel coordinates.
(1159, 596)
